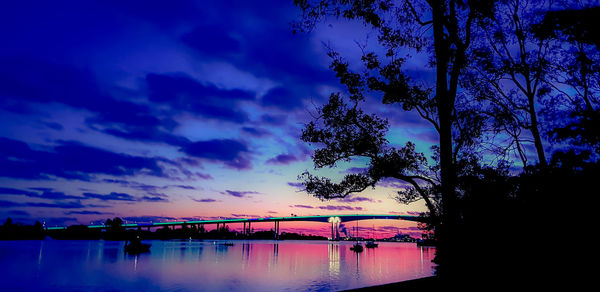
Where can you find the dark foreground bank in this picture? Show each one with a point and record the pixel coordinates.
(422, 284)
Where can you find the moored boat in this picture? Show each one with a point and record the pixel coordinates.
(371, 244)
(357, 247)
(135, 246)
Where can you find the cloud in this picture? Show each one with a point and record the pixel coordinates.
(60, 221)
(355, 199)
(114, 196)
(153, 199)
(87, 213)
(282, 159)
(53, 125)
(50, 194)
(238, 194)
(297, 185)
(148, 219)
(281, 98)
(256, 132)
(245, 216)
(183, 93)
(9, 204)
(70, 160)
(11, 191)
(205, 176)
(288, 58)
(358, 170)
(302, 206)
(186, 187)
(340, 208)
(212, 40)
(146, 134)
(208, 200)
(232, 153)
(60, 205)
(19, 213)
(388, 182)
(28, 82)
(275, 120)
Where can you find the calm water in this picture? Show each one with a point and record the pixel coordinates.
(207, 266)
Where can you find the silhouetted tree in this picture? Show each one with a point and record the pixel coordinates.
(115, 230)
(11, 231)
(578, 73)
(8, 223)
(508, 75)
(442, 28)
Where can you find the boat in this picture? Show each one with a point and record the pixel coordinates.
(357, 247)
(371, 244)
(135, 246)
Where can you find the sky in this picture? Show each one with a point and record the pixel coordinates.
(154, 111)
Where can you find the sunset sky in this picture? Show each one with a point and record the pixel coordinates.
(178, 111)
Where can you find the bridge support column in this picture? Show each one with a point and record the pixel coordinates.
(249, 229)
(276, 229)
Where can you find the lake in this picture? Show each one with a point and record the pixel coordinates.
(194, 265)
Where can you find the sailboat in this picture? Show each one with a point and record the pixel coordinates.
(357, 247)
(371, 243)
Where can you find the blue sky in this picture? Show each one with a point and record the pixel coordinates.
(191, 109)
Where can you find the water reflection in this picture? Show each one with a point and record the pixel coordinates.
(334, 260)
(357, 256)
(111, 253)
(40, 254)
(273, 261)
(208, 266)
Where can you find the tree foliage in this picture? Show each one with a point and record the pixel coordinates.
(508, 74)
(577, 74)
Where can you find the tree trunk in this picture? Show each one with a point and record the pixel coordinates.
(535, 132)
(446, 255)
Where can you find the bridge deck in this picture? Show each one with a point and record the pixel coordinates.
(319, 218)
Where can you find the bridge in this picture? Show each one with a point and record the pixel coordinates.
(335, 221)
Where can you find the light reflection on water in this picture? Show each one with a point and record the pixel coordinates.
(207, 266)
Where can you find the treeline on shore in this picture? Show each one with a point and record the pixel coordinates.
(114, 231)
(16, 231)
